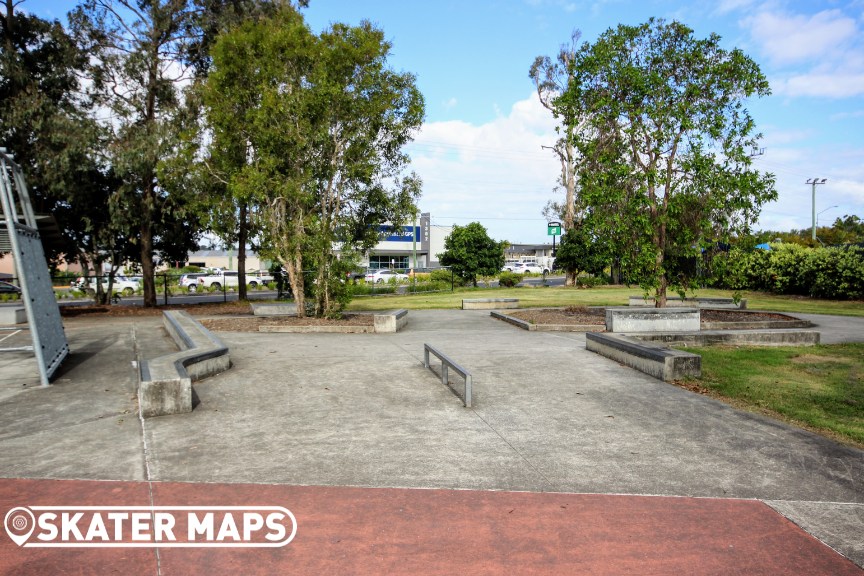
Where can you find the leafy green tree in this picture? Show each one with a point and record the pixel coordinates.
(581, 251)
(309, 131)
(135, 48)
(667, 166)
(54, 137)
(471, 252)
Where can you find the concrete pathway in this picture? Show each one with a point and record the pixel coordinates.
(334, 411)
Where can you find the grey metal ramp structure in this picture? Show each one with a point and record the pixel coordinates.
(23, 240)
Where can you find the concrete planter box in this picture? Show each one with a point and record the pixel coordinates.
(652, 319)
(12, 315)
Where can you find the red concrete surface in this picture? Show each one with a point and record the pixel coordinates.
(398, 531)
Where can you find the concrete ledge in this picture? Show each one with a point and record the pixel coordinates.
(653, 359)
(390, 322)
(692, 302)
(792, 322)
(319, 329)
(165, 385)
(382, 322)
(274, 309)
(519, 323)
(489, 303)
(652, 319)
(736, 337)
(13, 315)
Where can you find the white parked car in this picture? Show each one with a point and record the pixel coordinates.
(190, 280)
(509, 265)
(227, 279)
(122, 284)
(385, 275)
(523, 267)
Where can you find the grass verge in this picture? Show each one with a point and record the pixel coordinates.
(560, 296)
(819, 388)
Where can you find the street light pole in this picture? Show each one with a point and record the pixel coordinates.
(813, 182)
(822, 212)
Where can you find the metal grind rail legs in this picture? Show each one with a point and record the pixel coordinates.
(446, 364)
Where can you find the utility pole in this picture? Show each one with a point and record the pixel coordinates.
(813, 182)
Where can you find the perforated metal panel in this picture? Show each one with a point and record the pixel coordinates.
(43, 313)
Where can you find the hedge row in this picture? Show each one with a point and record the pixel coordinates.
(832, 273)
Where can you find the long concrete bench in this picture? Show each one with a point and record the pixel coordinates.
(770, 337)
(701, 302)
(166, 382)
(489, 303)
(653, 359)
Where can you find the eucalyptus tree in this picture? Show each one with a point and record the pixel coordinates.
(551, 79)
(667, 168)
(309, 131)
(136, 52)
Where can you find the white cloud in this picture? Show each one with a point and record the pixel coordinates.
(450, 103)
(812, 55)
(795, 38)
(494, 173)
(834, 85)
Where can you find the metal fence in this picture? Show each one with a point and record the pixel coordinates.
(128, 289)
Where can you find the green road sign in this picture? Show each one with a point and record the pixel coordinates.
(554, 229)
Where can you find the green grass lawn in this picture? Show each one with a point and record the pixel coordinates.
(601, 296)
(820, 388)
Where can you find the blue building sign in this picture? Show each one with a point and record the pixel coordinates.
(402, 234)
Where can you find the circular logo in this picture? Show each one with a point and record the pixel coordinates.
(20, 523)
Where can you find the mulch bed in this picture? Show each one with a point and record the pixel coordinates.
(252, 323)
(205, 309)
(577, 315)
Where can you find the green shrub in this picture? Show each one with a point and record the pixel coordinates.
(445, 275)
(509, 279)
(835, 273)
(429, 287)
(590, 281)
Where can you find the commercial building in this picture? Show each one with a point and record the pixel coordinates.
(396, 249)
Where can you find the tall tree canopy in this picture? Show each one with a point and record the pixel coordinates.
(135, 49)
(50, 129)
(309, 131)
(667, 169)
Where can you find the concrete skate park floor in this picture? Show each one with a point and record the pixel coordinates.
(333, 410)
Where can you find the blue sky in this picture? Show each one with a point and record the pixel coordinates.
(479, 152)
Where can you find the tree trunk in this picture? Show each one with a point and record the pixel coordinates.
(660, 297)
(242, 233)
(294, 267)
(147, 267)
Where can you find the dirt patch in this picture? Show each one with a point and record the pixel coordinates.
(572, 316)
(253, 323)
(813, 359)
(205, 309)
(741, 316)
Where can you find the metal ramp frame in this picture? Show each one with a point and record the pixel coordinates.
(23, 240)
